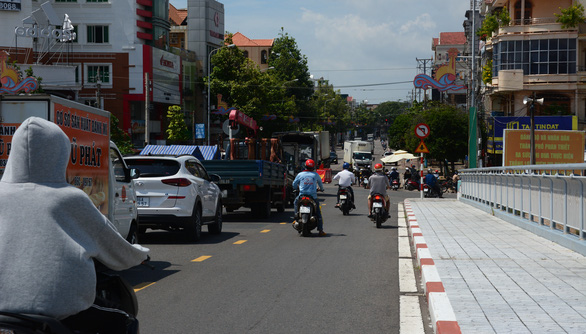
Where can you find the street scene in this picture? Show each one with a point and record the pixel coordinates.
(182, 166)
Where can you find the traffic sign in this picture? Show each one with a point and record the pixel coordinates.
(422, 130)
(422, 148)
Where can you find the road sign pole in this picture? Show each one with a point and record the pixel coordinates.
(421, 177)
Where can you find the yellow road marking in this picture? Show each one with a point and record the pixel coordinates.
(283, 223)
(201, 258)
(240, 242)
(265, 231)
(143, 286)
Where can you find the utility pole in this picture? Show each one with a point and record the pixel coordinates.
(146, 108)
(472, 116)
(98, 90)
(422, 64)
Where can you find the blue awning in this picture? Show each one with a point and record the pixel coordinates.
(201, 152)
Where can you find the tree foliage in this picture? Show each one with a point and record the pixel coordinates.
(449, 131)
(571, 16)
(177, 128)
(119, 137)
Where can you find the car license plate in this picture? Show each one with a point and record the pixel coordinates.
(305, 209)
(343, 197)
(377, 205)
(142, 201)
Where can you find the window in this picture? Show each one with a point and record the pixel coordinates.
(98, 71)
(118, 164)
(98, 34)
(544, 56)
(526, 13)
(263, 57)
(245, 54)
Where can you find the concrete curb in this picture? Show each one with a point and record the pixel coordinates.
(442, 315)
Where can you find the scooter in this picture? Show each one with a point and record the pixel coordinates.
(429, 192)
(395, 184)
(306, 219)
(379, 212)
(111, 287)
(346, 203)
(411, 185)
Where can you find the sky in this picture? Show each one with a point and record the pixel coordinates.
(367, 49)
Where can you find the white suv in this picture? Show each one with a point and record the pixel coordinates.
(176, 193)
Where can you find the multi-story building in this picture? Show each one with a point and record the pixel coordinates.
(532, 57)
(257, 50)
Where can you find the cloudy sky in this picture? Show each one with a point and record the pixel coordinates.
(365, 48)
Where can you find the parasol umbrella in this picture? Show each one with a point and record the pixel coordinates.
(398, 156)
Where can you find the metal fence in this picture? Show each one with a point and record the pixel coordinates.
(548, 196)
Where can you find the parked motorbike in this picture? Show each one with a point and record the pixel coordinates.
(346, 202)
(429, 192)
(395, 184)
(110, 287)
(306, 219)
(379, 213)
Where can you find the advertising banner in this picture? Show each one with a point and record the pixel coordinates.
(551, 147)
(166, 77)
(500, 123)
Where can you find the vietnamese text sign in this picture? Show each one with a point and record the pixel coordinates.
(551, 147)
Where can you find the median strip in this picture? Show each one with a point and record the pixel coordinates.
(201, 258)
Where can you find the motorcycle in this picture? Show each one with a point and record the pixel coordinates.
(306, 219)
(346, 203)
(411, 185)
(429, 192)
(110, 287)
(395, 184)
(379, 213)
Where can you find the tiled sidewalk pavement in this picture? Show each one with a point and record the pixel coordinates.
(501, 278)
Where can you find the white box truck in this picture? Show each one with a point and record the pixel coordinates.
(95, 165)
(358, 154)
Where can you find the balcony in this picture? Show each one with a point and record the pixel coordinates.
(538, 25)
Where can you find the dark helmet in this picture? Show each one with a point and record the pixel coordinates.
(309, 164)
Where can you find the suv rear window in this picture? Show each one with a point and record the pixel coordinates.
(154, 167)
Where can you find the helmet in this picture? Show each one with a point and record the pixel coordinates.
(429, 171)
(346, 165)
(378, 167)
(394, 168)
(309, 164)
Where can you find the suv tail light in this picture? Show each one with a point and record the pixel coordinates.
(179, 182)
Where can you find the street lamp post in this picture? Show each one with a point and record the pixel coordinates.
(209, 90)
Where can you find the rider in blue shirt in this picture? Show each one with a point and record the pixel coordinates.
(308, 182)
(431, 181)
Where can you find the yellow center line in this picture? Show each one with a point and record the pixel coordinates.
(265, 231)
(143, 286)
(240, 242)
(201, 258)
(282, 223)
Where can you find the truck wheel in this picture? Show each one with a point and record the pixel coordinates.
(193, 229)
(216, 226)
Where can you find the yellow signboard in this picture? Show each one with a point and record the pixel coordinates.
(422, 148)
(551, 147)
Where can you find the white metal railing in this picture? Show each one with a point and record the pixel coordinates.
(551, 196)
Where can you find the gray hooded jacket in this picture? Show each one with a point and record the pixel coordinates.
(50, 231)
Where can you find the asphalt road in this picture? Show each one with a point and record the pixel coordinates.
(261, 277)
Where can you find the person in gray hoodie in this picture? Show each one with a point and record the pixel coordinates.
(50, 231)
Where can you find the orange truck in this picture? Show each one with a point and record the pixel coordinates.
(95, 165)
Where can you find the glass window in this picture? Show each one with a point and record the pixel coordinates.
(154, 167)
(98, 34)
(98, 71)
(202, 172)
(118, 166)
(191, 166)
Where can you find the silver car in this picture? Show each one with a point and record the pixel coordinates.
(176, 193)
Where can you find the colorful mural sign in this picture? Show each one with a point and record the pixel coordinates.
(444, 77)
(11, 79)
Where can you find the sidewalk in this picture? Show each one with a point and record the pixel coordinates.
(500, 278)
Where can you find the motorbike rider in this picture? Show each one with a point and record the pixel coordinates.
(346, 179)
(378, 184)
(308, 182)
(51, 234)
(433, 183)
(365, 173)
(393, 175)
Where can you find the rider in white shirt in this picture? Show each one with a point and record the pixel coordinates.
(345, 178)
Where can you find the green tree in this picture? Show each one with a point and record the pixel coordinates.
(119, 137)
(176, 128)
(571, 17)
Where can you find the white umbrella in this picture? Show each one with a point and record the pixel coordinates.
(398, 157)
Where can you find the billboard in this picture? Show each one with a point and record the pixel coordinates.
(551, 147)
(500, 123)
(166, 77)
